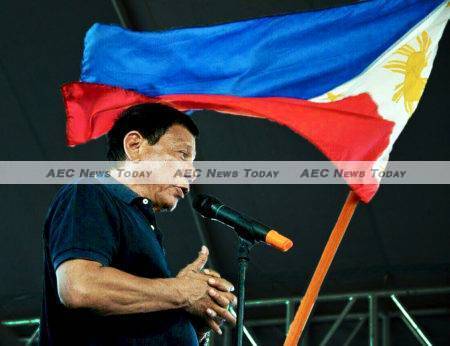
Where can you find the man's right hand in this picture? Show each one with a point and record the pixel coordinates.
(207, 297)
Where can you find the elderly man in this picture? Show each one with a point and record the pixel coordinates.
(107, 281)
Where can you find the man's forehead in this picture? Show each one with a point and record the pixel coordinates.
(179, 135)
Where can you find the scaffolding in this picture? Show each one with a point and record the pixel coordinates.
(378, 335)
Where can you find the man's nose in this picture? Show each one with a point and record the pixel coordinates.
(190, 173)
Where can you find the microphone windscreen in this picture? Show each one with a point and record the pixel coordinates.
(278, 241)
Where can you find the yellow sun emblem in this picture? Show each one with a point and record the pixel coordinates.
(413, 83)
(333, 97)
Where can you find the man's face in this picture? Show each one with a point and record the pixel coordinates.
(177, 144)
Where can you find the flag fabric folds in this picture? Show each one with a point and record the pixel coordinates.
(345, 78)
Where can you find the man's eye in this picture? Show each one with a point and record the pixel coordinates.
(184, 154)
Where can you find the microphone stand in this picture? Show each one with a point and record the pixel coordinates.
(243, 260)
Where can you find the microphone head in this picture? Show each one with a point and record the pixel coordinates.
(203, 204)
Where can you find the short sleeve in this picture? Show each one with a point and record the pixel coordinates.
(84, 225)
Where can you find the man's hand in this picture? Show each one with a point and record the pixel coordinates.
(202, 326)
(208, 295)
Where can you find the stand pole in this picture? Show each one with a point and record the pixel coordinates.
(243, 259)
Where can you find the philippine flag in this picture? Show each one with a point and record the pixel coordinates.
(346, 78)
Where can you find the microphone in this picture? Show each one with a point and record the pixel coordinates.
(250, 229)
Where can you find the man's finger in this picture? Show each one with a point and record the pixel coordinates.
(221, 284)
(223, 298)
(225, 314)
(211, 272)
(219, 298)
(211, 323)
(231, 297)
(201, 260)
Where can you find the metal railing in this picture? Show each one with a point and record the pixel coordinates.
(372, 316)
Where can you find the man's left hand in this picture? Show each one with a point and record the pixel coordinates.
(220, 292)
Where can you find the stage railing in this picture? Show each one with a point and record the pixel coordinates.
(373, 315)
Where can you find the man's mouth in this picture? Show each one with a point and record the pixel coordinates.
(181, 191)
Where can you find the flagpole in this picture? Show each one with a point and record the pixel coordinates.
(310, 297)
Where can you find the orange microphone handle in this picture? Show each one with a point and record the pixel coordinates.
(278, 241)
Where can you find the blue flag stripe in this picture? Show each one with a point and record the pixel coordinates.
(299, 55)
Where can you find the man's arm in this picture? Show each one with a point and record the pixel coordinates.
(109, 291)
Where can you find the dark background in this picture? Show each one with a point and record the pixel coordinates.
(399, 240)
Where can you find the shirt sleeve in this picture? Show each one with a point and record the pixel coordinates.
(84, 226)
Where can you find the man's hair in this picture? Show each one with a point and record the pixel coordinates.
(151, 120)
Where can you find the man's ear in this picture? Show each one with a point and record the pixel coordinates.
(131, 144)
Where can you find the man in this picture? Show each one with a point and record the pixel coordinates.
(106, 277)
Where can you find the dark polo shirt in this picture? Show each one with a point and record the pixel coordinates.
(112, 225)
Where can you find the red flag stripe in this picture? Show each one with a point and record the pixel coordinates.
(346, 130)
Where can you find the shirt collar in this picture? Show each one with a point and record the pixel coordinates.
(119, 190)
(125, 194)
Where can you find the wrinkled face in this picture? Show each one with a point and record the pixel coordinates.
(177, 147)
